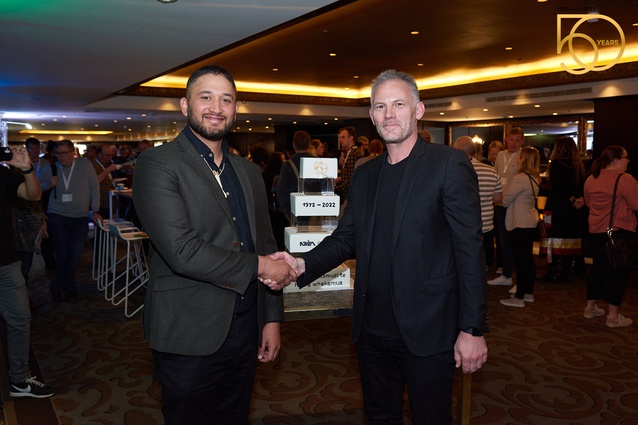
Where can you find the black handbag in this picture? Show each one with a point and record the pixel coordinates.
(622, 254)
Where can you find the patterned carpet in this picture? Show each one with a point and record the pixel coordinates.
(547, 365)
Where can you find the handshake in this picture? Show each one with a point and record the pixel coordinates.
(279, 269)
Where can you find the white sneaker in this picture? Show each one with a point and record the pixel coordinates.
(528, 298)
(512, 290)
(513, 302)
(595, 312)
(500, 281)
(499, 270)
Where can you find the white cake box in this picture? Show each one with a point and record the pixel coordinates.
(338, 278)
(298, 242)
(318, 168)
(303, 205)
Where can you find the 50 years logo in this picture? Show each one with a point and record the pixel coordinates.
(574, 34)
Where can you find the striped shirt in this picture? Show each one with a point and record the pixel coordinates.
(489, 184)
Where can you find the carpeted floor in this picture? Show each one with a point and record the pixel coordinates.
(547, 365)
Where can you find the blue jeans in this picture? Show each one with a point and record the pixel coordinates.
(14, 306)
(68, 235)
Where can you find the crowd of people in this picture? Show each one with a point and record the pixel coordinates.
(218, 262)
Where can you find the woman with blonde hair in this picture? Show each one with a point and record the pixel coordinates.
(521, 220)
(605, 282)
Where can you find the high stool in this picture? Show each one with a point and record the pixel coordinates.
(130, 270)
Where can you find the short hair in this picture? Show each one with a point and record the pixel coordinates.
(425, 135)
(31, 141)
(515, 131)
(258, 154)
(67, 143)
(361, 139)
(530, 161)
(351, 132)
(209, 69)
(391, 74)
(102, 146)
(301, 140)
(316, 143)
(375, 147)
(465, 144)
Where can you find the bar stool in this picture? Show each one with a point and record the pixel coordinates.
(101, 251)
(128, 271)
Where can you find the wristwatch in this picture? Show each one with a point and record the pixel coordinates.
(473, 331)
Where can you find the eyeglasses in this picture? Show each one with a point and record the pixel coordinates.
(63, 153)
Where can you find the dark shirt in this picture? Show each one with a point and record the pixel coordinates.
(379, 318)
(9, 183)
(237, 204)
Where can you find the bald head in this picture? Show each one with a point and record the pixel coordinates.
(466, 144)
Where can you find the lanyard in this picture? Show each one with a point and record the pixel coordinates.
(67, 180)
(507, 164)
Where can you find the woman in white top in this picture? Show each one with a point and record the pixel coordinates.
(521, 220)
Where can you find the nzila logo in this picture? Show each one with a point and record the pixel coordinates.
(582, 67)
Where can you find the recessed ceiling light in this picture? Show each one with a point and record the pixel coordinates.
(419, 64)
(275, 69)
(537, 106)
(508, 48)
(414, 33)
(333, 54)
(485, 109)
(441, 113)
(356, 76)
(554, 113)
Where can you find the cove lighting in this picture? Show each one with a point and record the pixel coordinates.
(63, 132)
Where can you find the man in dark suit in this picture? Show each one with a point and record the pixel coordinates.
(206, 213)
(419, 305)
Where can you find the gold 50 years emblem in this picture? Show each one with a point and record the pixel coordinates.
(595, 44)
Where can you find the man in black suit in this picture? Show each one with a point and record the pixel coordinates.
(206, 212)
(419, 306)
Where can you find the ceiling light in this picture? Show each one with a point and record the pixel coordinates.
(508, 48)
(167, 1)
(29, 126)
(414, 33)
(537, 106)
(67, 132)
(333, 54)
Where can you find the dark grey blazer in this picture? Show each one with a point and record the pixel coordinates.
(196, 266)
(437, 257)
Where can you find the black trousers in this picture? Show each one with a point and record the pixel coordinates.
(605, 282)
(386, 366)
(214, 389)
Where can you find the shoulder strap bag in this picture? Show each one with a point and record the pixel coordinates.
(622, 254)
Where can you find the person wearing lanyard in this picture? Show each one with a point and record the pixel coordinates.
(75, 194)
(206, 317)
(506, 170)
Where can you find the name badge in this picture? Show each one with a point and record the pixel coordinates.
(67, 197)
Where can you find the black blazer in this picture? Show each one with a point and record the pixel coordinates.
(437, 258)
(196, 267)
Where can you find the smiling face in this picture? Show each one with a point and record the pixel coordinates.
(394, 111)
(210, 107)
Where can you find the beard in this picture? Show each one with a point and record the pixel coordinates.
(212, 134)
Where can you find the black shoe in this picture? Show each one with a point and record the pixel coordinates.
(31, 387)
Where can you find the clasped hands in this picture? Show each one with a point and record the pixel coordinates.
(279, 269)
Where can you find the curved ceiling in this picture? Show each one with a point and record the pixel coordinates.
(93, 64)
